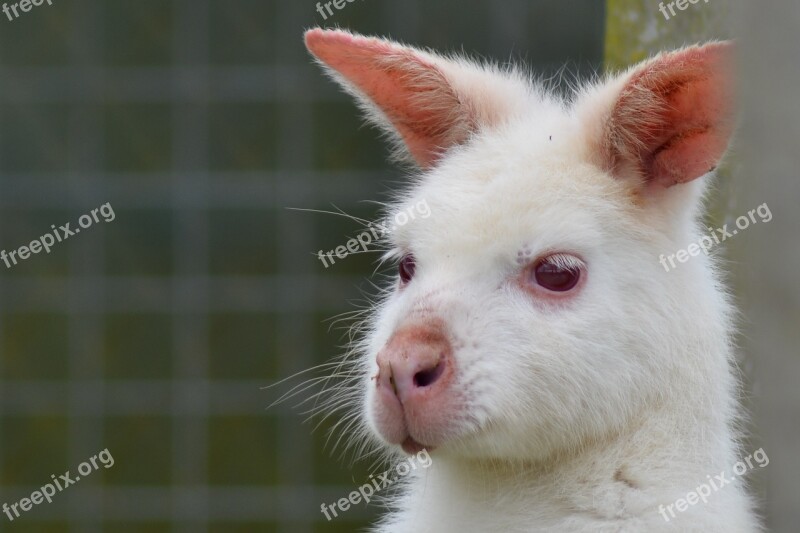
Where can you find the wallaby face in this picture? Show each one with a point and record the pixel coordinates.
(531, 319)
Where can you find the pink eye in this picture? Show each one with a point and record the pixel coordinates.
(406, 268)
(556, 273)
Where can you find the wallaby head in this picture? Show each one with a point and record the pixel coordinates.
(530, 317)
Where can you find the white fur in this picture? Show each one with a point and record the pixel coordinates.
(584, 416)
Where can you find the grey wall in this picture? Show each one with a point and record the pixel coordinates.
(768, 258)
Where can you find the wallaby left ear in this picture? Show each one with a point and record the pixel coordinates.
(428, 103)
(668, 120)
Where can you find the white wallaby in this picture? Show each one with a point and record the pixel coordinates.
(561, 379)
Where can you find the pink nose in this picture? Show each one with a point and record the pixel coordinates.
(415, 363)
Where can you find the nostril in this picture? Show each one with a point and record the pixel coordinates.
(426, 378)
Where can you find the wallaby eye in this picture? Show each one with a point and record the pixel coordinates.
(557, 272)
(406, 268)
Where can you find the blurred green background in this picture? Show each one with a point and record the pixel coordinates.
(201, 121)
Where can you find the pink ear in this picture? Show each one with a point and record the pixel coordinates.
(673, 119)
(405, 85)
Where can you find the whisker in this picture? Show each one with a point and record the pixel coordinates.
(340, 213)
(296, 374)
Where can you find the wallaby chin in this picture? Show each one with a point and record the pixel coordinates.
(561, 378)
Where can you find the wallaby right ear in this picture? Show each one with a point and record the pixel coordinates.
(668, 120)
(428, 103)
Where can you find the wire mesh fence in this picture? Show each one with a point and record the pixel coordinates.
(200, 122)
